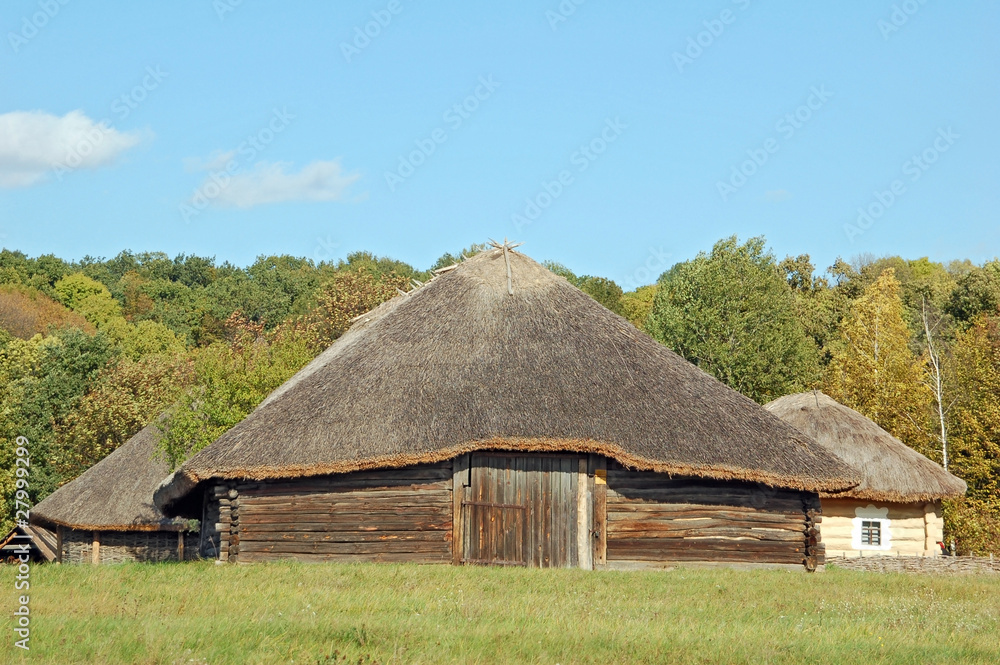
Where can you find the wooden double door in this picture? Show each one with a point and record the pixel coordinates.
(524, 510)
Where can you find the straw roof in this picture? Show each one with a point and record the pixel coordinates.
(892, 471)
(468, 362)
(116, 494)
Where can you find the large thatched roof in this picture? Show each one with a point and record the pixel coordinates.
(892, 470)
(116, 494)
(461, 364)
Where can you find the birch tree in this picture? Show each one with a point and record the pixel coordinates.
(873, 369)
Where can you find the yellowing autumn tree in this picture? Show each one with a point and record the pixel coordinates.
(976, 415)
(873, 370)
(974, 520)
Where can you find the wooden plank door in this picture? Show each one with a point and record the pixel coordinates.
(494, 512)
(521, 510)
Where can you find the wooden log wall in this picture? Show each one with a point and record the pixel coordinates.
(815, 550)
(653, 519)
(216, 523)
(384, 515)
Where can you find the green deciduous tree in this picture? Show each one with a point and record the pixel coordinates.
(604, 291)
(126, 396)
(44, 380)
(636, 305)
(601, 289)
(89, 298)
(448, 258)
(349, 294)
(229, 381)
(819, 306)
(732, 313)
(976, 292)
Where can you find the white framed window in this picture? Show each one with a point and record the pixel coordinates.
(871, 532)
(872, 529)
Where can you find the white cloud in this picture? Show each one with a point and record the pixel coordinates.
(777, 195)
(32, 143)
(273, 183)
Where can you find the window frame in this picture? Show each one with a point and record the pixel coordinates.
(871, 532)
(871, 514)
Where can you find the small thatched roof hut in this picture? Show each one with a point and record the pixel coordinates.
(896, 508)
(891, 470)
(114, 498)
(496, 354)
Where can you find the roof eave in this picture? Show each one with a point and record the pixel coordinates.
(175, 488)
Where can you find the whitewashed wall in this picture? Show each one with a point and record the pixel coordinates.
(913, 529)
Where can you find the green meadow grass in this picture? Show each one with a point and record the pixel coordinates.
(326, 613)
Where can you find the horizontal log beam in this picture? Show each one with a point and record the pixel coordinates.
(777, 520)
(382, 557)
(633, 480)
(718, 532)
(367, 527)
(373, 486)
(353, 525)
(371, 549)
(722, 556)
(680, 507)
(348, 502)
(341, 513)
(248, 536)
(616, 498)
(702, 545)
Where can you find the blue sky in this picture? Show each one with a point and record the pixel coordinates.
(617, 138)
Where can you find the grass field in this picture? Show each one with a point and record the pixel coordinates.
(205, 613)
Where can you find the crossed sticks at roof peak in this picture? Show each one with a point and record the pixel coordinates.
(506, 259)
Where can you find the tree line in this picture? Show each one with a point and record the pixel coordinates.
(93, 350)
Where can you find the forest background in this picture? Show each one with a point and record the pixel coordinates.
(93, 350)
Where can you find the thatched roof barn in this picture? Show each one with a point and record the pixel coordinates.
(896, 480)
(107, 513)
(497, 354)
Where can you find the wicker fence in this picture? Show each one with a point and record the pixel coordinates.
(126, 546)
(919, 564)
